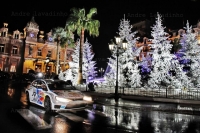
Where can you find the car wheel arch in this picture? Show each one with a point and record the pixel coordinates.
(47, 96)
(50, 100)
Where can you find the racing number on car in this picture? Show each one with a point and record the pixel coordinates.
(34, 94)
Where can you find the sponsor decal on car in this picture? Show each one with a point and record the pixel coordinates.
(41, 96)
(62, 107)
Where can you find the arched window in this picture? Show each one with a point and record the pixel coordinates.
(49, 54)
(39, 52)
(16, 36)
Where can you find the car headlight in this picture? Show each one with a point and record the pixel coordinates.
(87, 98)
(60, 99)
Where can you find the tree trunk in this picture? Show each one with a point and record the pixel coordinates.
(57, 57)
(65, 57)
(80, 75)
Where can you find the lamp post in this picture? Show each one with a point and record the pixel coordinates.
(57, 57)
(119, 45)
(46, 62)
(101, 70)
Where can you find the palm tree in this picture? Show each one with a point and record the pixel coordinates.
(63, 39)
(80, 22)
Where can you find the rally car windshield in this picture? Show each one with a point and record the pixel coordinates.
(60, 86)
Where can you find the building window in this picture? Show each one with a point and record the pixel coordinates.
(39, 52)
(16, 36)
(49, 54)
(3, 34)
(2, 48)
(14, 50)
(6, 69)
(12, 68)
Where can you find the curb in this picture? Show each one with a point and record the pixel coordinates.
(185, 106)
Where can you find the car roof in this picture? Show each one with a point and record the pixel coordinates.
(49, 81)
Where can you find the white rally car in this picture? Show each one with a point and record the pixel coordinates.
(56, 95)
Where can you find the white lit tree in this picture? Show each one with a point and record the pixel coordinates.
(134, 76)
(65, 75)
(126, 59)
(180, 80)
(89, 69)
(161, 57)
(191, 54)
(110, 77)
(88, 64)
(75, 63)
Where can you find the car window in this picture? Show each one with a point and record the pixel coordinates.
(40, 85)
(61, 85)
(34, 83)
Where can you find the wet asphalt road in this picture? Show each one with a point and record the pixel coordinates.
(103, 117)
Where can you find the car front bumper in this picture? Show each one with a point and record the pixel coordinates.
(72, 104)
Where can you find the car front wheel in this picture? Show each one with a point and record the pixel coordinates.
(47, 104)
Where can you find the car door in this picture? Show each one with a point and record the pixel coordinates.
(40, 92)
(33, 91)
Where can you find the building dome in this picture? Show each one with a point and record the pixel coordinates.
(32, 24)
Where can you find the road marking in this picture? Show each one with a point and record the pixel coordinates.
(36, 122)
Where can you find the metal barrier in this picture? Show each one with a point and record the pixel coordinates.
(164, 93)
(159, 93)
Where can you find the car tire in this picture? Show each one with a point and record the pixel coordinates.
(47, 104)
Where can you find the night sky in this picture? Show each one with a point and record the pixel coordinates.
(52, 14)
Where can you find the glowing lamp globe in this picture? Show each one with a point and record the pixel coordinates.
(39, 75)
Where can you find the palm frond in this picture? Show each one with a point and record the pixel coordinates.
(64, 35)
(78, 20)
(81, 13)
(91, 13)
(93, 27)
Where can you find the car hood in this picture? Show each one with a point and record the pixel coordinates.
(69, 94)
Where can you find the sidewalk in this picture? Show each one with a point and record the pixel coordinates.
(190, 103)
(148, 104)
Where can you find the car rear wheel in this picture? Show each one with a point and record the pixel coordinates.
(47, 104)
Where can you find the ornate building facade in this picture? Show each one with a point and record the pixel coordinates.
(10, 49)
(40, 54)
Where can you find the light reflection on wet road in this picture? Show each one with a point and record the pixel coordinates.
(129, 116)
(114, 119)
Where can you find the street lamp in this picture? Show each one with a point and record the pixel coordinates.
(101, 70)
(119, 45)
(47, 60)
